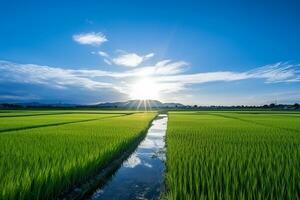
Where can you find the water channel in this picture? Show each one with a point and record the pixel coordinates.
(141, 176)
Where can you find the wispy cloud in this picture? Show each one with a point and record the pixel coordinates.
(278, 72)
(130, 59)
(166, 67)
(103, 54)
(107, 61)
(49, 76)
(270, 74)
(170, 76)
(163, 71)
(125, 59)
(91, 38)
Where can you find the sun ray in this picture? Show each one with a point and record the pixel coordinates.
(144, 89)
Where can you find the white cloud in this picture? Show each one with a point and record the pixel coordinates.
(169, 75)
(49, 76)
(163, 63)
(132, 161)
(164, 71)
(150, 55)
(161, 68)
(91, 38)
(129, 60)
(103, 54)
(125, 59)
(107, 61)
(169, 67)
(279, 72)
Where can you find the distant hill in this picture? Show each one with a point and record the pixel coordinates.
(140, 104)
(124, 104)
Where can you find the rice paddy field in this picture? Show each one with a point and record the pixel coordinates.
(210, 154)
(42, 153)
(233, 155)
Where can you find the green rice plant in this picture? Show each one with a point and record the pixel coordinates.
(20, 113)
(219, 155)
(40, 163)
(23, 122)
(14, 113)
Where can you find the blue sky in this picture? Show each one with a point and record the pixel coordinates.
(221, 53)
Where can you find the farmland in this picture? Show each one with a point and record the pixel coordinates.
(233, 155)
(210, 154)
(25, 122)
(43, 153)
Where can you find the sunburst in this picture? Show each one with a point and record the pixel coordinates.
(144, 89)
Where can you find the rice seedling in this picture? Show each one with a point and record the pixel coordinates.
(23, 122)
(227, 155)
(39, 163)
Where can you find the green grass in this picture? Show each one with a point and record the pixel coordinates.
(39, 163)
(228, 155)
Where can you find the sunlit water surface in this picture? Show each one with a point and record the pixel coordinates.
(141, 176)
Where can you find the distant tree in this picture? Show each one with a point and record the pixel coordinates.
(195, 106)
(272, 105)
(296, 106)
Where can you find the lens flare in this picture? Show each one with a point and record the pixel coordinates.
(145, 89)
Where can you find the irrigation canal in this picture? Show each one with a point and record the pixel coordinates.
(141, 176)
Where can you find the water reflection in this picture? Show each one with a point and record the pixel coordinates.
(141, 175)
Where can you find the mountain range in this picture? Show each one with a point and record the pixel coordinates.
(140, 104)
(122, 104)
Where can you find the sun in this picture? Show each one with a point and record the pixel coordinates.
(144, 89)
